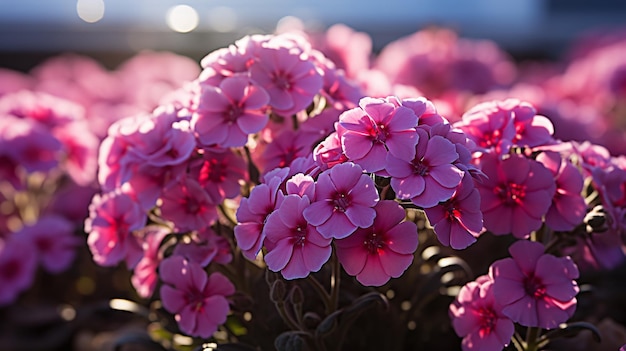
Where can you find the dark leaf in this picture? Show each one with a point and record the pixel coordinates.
(289, 341)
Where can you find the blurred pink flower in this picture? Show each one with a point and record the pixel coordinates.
(516, 195)
(53, 240)
(343, 201)
(290, 80)
(80, 149)
(112, 219)
(478, 318)
(375, 127)
(568, 207)
(252, 215)
(188, 205)
(381, 251)
(29, 144)
(431, 176)
(145, 278)
(204, 247)
(18, 263)
(227, 114)
(533, 288)
(458, 221)
(297, 247)
(48, 110)
(197, 301)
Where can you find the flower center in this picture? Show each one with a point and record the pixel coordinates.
(511, 193)
(233, 113)
(420, 168)
(282, 81)
(452, 214)
(374, 243)
(212, 171)
(487, 319)
(341, 202)
(299, 235)
(534, 287)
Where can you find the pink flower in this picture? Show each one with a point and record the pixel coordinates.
(533, 288)
(219, 173)
(382, 251)
(375, 127)
(145, 276)
(431, 176)
(185, 203)
(478, 318)
(80, 152)
(568, 206)
(112, 219)
(252, 214)
(29, 144)
(516, 195)
(297, 247)
(54, 242)
(198, 301)
(205, 247)
(290, 79)
(227, 114)
(44, 109)
(343, 201)
(285, 148)
(18, 263)
(458, 221)
(329, 153)
(490, 126)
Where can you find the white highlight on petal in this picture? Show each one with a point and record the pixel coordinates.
(182, 18)
(90, 11)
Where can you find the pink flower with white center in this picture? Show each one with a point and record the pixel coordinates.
(458, 221)
(533, 288)
(297, 248)
(568, 207)
(29, 144)
(18, 263)
(204, 247)
(344, 201)
(375, 128)
(490, 126)
(478, 319)
(381, 251)
(219, 173)
(54, 242)
(112, 219)
(290, 79)
(516, 195)
(227, 114)
(252, 214)
(145, 275)
(188, 205)
(431, 176)
(197, 301)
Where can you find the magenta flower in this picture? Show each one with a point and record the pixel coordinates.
(285, 148)
(18, 263)
(54, 242)
(431, 176)
(188, 205)
(219, 173)
(458, 221)
(516, 195)
(568, 207)
(145, 275)
(376, 127)
(112, 219)
(198, 301)
(252, 214)
(489, 125)
(382, 251)
(205, 247)
(478, 318)
(290, 79)
(329, 153)
(80, 152)
(227, 114)
(533, 288)
(343, 201)
(297, 247)
(29, 144)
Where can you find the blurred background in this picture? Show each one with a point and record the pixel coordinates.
(112, 30)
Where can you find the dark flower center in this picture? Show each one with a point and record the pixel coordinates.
(511, 193)
(341, 202)
(534, 287)
(374, 243)
(488, 319)
(420, 168)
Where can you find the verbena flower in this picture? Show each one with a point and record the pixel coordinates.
(533, 288)
(458, 221)
(516, 195)
(381, 251)
(478, 319)
(344, 198)
(297, 248)
(197, 301)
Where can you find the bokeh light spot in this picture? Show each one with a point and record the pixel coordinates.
(182, 18)
(90, 11)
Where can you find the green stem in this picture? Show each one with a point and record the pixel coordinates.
(532, 338)
(518, 342)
